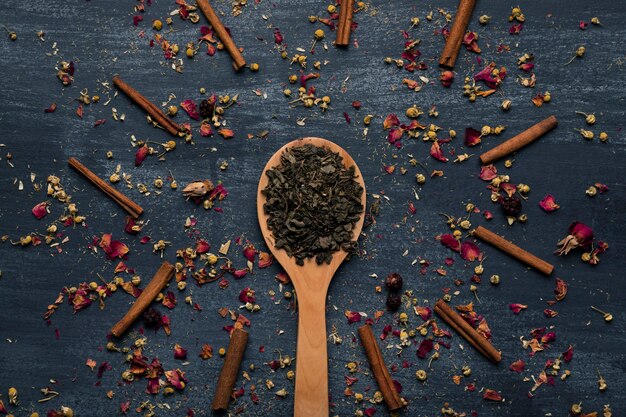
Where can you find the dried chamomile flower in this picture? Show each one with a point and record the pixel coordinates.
(589, 118)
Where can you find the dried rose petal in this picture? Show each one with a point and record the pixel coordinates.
(424, 348)
(205, 129)
(240, 273)
(446, 78)
(51, 109)
(369, 412)
(390, 120)
(202, 246)
(247, 295)
(265, 259)
(472, 137)
(527, 67)
(226, 133)
(549, 313)
(424, 312)
(124, 407)
(436, 152)
(451, 242)
(112, 248)
(568, 354)
(394, 136)
(169, 300)
(488, 172)
(278, 37)
(470, 252)
(141, 155)
(548, 337)
(249, 252)
(492, 395)
(561, 289)
(179, 352)
(548, 204)
(517, 307)
(191, 108)
(352, 316)
(470, 41)
(518, 366)
(40, 210)
(579, 235)
(488, 215)
(516, 28)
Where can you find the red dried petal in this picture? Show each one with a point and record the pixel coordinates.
(191, 108)
(240, 273)
(549, 313)
(516, 28)
(112, 248)
(561, 289)
(518, 366)
(51, 109)
(369, 412)
(247, 295)
(492, 395)
(202, 246)
(169, 300)
(352, 316)
(470, 41)
(488, 172)
(40, 210)
(548, 204)
(141, 155)
(79, 111)
(179, 352)
(99, 122)
(568, 354)
(472, 137)
(509, 188)
(424, 348)
(470, 252)
(424, 312)
(249, 252)
(436, 152)
(265, 259)
(446, 78)
(390, 120)
(124, 407)
(579, 235)
(527, 66)
(205, 129)
(517, 307)
(278, 37)
(395, 135)
(451, 242)
(488, 215)
(226, 133)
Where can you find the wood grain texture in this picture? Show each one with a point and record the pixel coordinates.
(102, 40)
(311, 283)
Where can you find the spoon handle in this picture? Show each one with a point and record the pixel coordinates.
(311, 396)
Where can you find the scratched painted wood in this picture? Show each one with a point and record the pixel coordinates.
(100, 38)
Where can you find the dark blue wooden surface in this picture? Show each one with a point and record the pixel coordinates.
(100, 38)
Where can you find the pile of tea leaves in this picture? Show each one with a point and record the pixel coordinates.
(313, 203)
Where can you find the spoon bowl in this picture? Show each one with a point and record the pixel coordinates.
(311, 283)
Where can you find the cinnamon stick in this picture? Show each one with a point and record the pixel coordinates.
(453, 43)
(127, 204)
(517, 142)
(454, 320)
(215, 22)
(344, 27)
(380, 371)
(230, 369)
(155, 113)
(513, 250)
(156, 285)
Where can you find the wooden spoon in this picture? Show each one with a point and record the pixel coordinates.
(311, 284)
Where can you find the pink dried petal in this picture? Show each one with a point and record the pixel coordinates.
(191, 108)
(549, 313)
(265, 259)
(395, 135)
(568, 354)
(202, 246)
(353, 316)
(488, 215)
(278, 37)
(240, 273)
(169, 300)
(509, 188)
(436, 152)
(179, 352)
(518, 366)
(472, 137)
(517, 307)
(247, 295)
(451, 242)
(40, 210)
(141, 155)
(470, 252)
(424, 312)
(582, 25)
(446, 78)
(492, 395)
(548, 337)
(470, 41)
(516, 28)
(548, 204)
(369, 412)
(390, 120)
(249, 252)
(205, 129)
(424, 348)
(579, 235)
(51, 109)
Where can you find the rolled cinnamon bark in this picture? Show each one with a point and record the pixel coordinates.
(215, 22)
(156, 285)
(344, 27)
(453, 43)
(230, 369)
(454, 320)
(513, 250)
(517, 142)
(379, 369)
